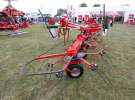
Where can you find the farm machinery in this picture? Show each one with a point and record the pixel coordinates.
(12, 19)
(7, 22)
(76, 53)
(131, 19)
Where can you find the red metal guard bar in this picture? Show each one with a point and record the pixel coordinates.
(50, 56)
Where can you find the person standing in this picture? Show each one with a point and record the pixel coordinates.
(105, 25)
(111, 22)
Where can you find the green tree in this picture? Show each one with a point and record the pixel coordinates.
(83, 5)
(96, 5)
(61, 11)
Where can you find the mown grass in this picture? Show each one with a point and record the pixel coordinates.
(118, 64)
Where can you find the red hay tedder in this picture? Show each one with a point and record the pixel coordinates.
(77, 52)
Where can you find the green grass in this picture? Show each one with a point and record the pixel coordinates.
(118, 64)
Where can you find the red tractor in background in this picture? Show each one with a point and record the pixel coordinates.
(12, 19)
(7, 22)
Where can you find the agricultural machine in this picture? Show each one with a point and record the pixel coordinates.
(76, 53)
(131, 19)
(12, 19)
(7, 22)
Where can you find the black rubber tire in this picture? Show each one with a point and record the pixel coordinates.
(76, 67)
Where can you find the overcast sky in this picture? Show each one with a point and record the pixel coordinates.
(52, 5)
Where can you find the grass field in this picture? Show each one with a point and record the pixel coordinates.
(118, 64)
